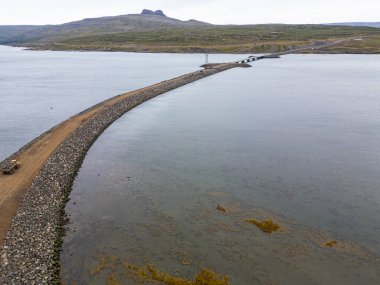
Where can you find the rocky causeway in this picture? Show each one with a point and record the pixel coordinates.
(30, 251)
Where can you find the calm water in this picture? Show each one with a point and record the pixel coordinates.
(295, 140)
(40, 89)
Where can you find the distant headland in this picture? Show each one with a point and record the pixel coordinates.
(154, 31)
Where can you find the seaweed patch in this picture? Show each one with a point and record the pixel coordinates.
(267, 226)
(331, 243)
(149, 273)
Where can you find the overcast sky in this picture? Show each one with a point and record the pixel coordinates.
(213, 11)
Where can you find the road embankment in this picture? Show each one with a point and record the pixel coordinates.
(32, 200)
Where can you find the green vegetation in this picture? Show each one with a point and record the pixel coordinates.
(149, 274)
(331, 243)
(205, 277)
(151, 33)
(267, 226)
(226, 39)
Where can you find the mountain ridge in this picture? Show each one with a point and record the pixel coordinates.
(157, 20)
(153, 31)
(357, 24)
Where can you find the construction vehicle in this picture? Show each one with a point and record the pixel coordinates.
(11, 166)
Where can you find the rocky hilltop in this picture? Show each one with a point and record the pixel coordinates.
(150, 12)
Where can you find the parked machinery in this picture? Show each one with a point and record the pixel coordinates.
(10, 167)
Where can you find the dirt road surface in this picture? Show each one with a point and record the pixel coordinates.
(13, 187)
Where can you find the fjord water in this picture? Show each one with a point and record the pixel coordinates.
(40, 89)
(294, 140)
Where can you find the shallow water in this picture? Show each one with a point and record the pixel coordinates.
(39, 89)
(294, 140)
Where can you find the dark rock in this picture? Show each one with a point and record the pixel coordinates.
(159, 13)
(147, 12)
(150, 12)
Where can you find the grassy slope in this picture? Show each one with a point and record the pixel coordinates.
(92, 26)
(228, 39)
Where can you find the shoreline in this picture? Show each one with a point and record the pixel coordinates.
(188, 50)
(31, 250)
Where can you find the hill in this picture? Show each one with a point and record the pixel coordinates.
(147, 20)
(153, 31)
(358, 24)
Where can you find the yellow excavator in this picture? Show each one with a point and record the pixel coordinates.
(11, 166)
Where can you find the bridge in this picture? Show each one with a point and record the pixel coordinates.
(253, 58)
(296, 50)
